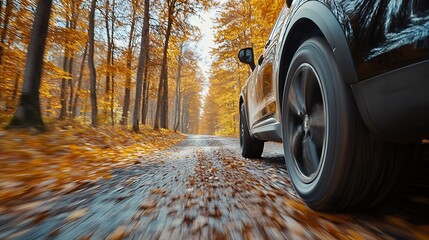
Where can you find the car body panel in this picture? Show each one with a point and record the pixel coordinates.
(368, 39)
(387, 34)
(394, 108)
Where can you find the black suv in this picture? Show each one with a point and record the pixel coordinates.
(344, 84)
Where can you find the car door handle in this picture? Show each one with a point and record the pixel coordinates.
(261, 60)
(268, 43)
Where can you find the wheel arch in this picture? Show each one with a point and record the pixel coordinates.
(241, 101)
(312, 19)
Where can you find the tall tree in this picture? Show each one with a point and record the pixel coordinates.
(75, 5)
(110, 19)
(79, 83)
(161, 115)
(71, 14)
(176, 119)
(129, 56)
(141, 66)
(146, 87)
(91, 65)
(176, 13)
(28, 112)
(5, 27)
(63, 95)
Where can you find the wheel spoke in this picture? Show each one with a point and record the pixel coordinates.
(317, 125)
(310, 87)
(306, 121)
(311, 156)
(296, 98)
(296, 142)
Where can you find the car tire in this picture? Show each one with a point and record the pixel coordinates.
(334, 162)
(250, 148)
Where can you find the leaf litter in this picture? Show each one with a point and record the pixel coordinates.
(66, 158)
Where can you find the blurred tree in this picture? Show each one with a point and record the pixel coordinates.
(109, 15)
(79, 82)
(91, 65)
(28, 113)
(177, 13)
(91, 60)
(162, 102)
(129, 56)
(72, 41)
(144, 48)
(5, 27)
(177, 109)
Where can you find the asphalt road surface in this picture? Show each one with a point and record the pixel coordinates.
(203, 189)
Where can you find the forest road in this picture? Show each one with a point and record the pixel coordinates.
(203, 189)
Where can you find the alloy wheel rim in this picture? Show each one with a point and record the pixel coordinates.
(306, 121)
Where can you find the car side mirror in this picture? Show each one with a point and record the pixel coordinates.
(245, 55)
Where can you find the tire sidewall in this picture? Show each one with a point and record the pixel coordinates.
(250, 148)
(243, 127)
(316, 53)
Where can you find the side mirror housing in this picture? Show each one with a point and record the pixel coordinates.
(245, 55)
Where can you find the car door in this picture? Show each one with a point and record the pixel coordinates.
(255, 101)
(266, 76)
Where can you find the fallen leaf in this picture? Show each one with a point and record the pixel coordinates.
(29, 206)
(119, 233)
(77, 214)
(199, 222)
(148, 204)
(159, 191)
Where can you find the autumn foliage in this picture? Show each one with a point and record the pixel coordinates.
(242, 23)
(118, 24)
(70, 154)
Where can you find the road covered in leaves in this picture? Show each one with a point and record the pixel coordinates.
(202, 189)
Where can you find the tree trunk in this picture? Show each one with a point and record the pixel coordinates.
(127, 95)
(109, 48)
(93, 76)
(73, 25)
(112, 63)
(112, 96)
(162, 103)
(177, 100)
(12, 103)
(67, 67)
(146, 85)
(185, 115)
(141, 66)
(79, 82)
(8, 10)
(28, 113)
(63, 95)
(71, 84)
(110, 29)
(112, 101)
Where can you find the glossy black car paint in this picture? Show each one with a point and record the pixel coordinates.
(370, 40)
(382, 35)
